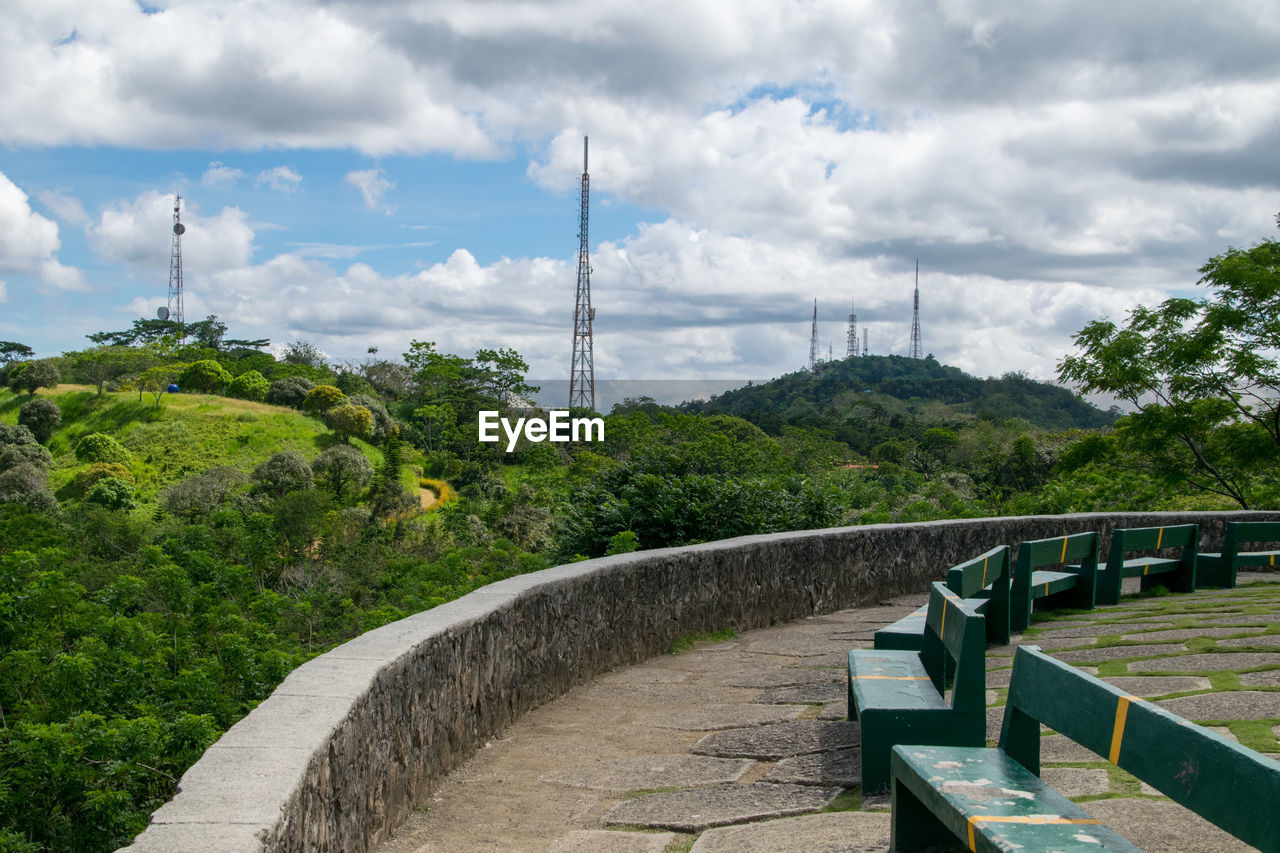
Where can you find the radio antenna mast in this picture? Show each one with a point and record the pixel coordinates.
(174, 310)
(582, 375)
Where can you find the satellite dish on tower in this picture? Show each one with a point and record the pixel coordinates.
(162, 312)
(179, 228)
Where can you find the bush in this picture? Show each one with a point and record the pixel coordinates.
(342, 467)
(204, 375)
(112, 493)
(27, 484)
(284, 472)
(12, 455)
(203, 493)
(41, 417)
(16, 435)
(382, 421)
(350, 421)
(291, 391)
(87, 478)
(249, 385)
(322, 398)
(99, 447)
(30, 375)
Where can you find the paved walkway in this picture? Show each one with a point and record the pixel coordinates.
(742, 745)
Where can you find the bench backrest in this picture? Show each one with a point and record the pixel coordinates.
(1224, 782)
(955, 642)
(1241, 532)
(1079, 548)
(1184, 536)
(970, 578)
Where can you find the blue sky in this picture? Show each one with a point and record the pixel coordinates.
(364, 174)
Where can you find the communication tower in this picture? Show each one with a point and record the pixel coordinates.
(851, 345)
(173, 310)
(582, 376)
(916, 351)
(866, 350)
(813, 339)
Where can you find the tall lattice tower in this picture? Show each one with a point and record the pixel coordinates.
(916, 351)
(866, 347)
(813, 339)
(582, 377)
(851, 345)
(174, 310)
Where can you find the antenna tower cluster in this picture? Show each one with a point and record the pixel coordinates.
(582, 376)
(173, 310)
(813, 339)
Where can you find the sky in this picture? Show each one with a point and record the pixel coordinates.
(363, 174)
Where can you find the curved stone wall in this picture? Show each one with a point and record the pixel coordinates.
(346, 746)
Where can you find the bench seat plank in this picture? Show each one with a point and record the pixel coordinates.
(963, 785)
(1046, 583)
(891, 678)
(907, 633)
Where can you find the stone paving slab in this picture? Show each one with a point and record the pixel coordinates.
(1053, 642)
(1119, 652)
(642, 675)
(1260, 619)
(1076, 781)
(999, 677)
(612, 841)
(840, 767)
(1164, 827)
(1233, 705)
(786, 677)
(781, 740)
(835, 711)
(1207, 662)
(820, 693)
(652, 771)
(1187, 634)
(1059, 749)
(836, 832)
(710, 718)
(1268, 678)
(797, 647)
(1146, 686)
(1266, 640)
(701, 808)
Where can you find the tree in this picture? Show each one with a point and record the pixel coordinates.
(349, 422)
(1201, 375)
(203, 493)
(207, 332)
(342, 466)
(204, 375)
(100, 447)
(291, 391)
(41, 417)
(144, 331)
(303, 352)
(31, 375)
(156, 381)
(100, 365)
(284, 472)
(12, 351)
(249, 385)
(322, 398)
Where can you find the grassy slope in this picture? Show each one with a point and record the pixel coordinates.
(189, 433)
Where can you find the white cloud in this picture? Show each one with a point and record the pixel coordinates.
(26, 237)
(66, 207)
(281, 179)
(219, 175)
(4, 293)
(372, 185)
(138, 233)
(63, 277)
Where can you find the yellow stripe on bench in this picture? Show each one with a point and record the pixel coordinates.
(1159, 538)
(1063, 559)
(1028, 818)
(891, 677)
(1117, 732)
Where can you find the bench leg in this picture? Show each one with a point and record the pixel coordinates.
(912, 825)
(1215, 571)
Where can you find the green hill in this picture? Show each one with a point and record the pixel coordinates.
(185, 435)
(925, 388)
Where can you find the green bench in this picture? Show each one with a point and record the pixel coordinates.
(994, 800)
(899, 696)
(984, 584)
(1070, 585)
(1220, 569)
(1178, 574)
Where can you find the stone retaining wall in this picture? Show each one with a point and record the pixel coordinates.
(346, 746)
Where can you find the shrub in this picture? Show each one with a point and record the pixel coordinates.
(284, 472)
(30, 375)
(291, 391)
(16, 435)
(350, 421)
(87, 478)
(198, 495)
(28, 485)
(382, 421)
(41, 417)
(99, 447)
(322, 398)
(12, 455)
(204, 375)
(341, 467)
(112, 493)
(249, 385)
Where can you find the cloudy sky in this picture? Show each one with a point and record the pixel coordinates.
(366, 173)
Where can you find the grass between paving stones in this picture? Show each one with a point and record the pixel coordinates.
(682, 844)
(688, 642)
(849, 801)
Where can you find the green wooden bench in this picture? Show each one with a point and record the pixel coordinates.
(899, 696)
(994, 800)
(1070, 585)
(984, 584)
(1220, 569)
(1178, 574)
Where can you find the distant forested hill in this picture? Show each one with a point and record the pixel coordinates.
(895, 383)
